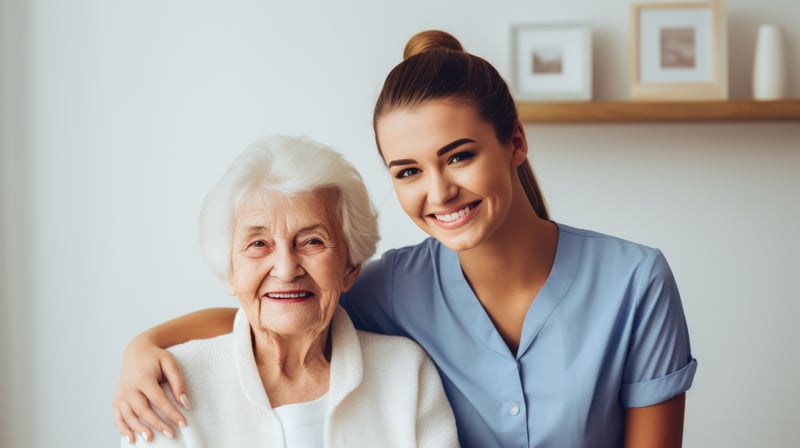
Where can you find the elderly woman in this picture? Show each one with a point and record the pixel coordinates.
(287, 228)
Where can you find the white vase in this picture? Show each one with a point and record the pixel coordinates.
(769, 71)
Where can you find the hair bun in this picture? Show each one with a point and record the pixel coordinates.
(431, 40)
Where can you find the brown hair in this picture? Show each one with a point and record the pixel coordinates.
(435, 66)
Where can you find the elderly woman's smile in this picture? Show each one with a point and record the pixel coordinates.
(289, 261)
(288, 296)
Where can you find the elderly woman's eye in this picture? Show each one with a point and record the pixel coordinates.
(258, 244)
(314, 242)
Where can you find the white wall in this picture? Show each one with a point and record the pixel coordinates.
(121, 115)
(17, 337)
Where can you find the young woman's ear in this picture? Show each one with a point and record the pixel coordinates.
(519, 145)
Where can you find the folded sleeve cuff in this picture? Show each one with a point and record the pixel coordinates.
(648, 393)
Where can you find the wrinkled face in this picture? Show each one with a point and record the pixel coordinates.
(289, 261)
(451, 174)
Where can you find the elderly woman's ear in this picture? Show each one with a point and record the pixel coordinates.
(229, 284)
(351, 276)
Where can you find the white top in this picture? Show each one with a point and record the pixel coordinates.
(303, 423)
(384, 391)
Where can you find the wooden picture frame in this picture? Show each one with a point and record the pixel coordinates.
(679, 51)
(552, 62)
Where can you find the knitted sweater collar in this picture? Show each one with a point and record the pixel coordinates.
(346, 362)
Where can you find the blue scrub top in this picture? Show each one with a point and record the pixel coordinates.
(607, 331)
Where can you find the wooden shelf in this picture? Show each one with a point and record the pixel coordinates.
(641, 111)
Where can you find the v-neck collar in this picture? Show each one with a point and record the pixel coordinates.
(556, 286)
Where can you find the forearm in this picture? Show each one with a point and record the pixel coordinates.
(201, 324)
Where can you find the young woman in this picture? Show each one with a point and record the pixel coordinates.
(544, 335)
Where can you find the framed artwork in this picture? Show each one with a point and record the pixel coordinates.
(552, 62)
(679, 51)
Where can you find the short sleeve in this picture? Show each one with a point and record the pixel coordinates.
(659, 363)
(369, 301)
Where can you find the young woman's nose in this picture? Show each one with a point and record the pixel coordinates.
(441, 189)
(285, 264)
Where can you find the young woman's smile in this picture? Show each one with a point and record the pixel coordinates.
(456, 216)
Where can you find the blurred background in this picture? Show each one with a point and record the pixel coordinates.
(117, 118)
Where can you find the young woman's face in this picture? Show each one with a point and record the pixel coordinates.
(451, 174)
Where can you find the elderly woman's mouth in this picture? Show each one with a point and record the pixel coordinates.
(296, 296)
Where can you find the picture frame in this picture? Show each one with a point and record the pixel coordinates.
(679, 51)
(552, 62)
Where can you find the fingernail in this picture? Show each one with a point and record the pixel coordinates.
(184, 401)
(168, 434)
(144, 436)
(130, 439)
(182, 423)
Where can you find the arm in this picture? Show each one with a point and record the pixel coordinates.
(660, 367)
(146, 363)
(657, 426)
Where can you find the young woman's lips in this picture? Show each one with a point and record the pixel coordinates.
(455, 217)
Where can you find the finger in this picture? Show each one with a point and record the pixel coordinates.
(174, 377)
(158, 398)
(142, 410)
(123, 428)
(137, 427)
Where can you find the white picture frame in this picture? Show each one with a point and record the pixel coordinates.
(552, 62)
(679, 51)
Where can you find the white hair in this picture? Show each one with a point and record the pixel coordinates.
(287, 165)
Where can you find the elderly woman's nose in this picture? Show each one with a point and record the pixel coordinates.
(286, 264)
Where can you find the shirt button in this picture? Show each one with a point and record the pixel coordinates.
(513, 408)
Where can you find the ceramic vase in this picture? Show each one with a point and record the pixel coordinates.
(769, 71)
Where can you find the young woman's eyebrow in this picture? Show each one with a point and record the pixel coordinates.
(401, 162)
(451, 146)
(444, 150)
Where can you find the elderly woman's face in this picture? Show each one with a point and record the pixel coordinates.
(289, 261)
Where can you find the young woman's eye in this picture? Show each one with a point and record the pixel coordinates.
(460, 157)
(407, 172)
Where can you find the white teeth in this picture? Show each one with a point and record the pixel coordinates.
(294, 295)
(450, 217)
